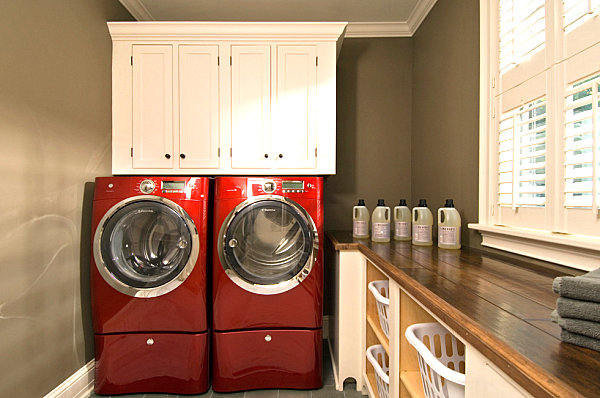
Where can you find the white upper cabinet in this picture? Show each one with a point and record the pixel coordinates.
(250, 107)
(152, 128)
(224, 98)
(198, 107)
(295, 116)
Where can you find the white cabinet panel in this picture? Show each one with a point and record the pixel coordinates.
(152, 106)
(483, 379)
(198, 107)
(295, 132)
(250, 106)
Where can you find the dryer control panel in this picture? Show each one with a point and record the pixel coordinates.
(246, 187)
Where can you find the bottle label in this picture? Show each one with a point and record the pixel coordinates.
(422, 233)
(360, 228)
(381, 230)
(449, 235)
(402, 229)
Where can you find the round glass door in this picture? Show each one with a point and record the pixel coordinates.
(144, 247)
(269, 243)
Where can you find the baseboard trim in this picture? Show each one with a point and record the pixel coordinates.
(79, 385)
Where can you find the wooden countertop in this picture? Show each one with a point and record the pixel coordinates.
(500, 307)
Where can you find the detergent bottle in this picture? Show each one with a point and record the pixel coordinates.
(402, 221)
(448, 226)
(360, 220)
(380, 230)
(422, 221)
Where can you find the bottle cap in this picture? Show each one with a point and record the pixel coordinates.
(380, 202)
(361, 202)
(402, 202)
(449, 203)
(422, 203)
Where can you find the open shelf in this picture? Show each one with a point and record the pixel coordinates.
(372, 384)
(411, 381)
(376, 328)
(374, 332)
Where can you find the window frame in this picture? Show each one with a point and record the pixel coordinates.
(577, 251)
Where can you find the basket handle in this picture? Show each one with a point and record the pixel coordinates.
(431, 360)
(378, 295)
(376, 366)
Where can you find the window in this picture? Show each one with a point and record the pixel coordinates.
(522, 156)
(540, 129)
(581, 145)
(522, 28)
(577, 12)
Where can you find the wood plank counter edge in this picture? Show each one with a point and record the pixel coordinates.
(526, 373)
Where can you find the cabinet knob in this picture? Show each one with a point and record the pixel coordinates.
(266, 155)
(167, 156)
(182, 155)
(280, 155)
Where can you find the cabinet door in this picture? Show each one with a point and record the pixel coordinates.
(198, 107)
(152, 106)
(295, 132)
(250, 106)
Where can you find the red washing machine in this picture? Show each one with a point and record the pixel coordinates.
(148, 284)
(267, 283)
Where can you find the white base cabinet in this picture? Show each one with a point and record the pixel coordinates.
(354, 326)
(224, 98)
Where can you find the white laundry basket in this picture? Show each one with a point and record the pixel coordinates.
(377, 356)
(439, 381)
(383, 303)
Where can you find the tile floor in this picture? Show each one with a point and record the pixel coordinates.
(327, 391)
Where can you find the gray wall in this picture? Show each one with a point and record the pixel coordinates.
(374, 105)
(445, 117)
(55, 101)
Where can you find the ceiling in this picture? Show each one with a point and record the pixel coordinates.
(367, 18)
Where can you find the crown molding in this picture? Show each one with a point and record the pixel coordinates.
(137, 9)
(419, 13)
(163, 30)
(377, 29)
(354, 30)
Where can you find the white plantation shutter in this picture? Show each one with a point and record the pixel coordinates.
(577, 12)
(522, 27)
(540, 129)
(582, 145)
(522, 156)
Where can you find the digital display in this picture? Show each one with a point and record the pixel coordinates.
(292, 184)
(173, 185)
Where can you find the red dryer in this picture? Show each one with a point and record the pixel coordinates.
(267, 283)
(148, 284)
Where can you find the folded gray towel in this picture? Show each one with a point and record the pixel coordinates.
(579, 326)
(577, 339)
(584, 287)
(578, 309)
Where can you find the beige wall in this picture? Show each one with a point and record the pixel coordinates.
(445, 117)
(55, 128)
(374, 102)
